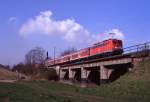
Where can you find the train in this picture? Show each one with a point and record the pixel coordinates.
(101, 49)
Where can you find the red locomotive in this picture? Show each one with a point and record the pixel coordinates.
(101, 49)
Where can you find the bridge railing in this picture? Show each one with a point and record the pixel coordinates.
(137, 48)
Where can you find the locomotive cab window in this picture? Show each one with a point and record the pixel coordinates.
(117, 43)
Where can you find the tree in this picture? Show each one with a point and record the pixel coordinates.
(36, 55)
(26, 69)
(68, 51)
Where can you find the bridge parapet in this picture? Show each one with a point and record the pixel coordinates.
(97, 64)
(137, 48)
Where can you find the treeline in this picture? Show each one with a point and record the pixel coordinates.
(34, 67)
(34, 59)
(5, 66)
(34, 63)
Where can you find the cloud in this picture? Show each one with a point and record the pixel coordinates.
(114, 33)
(67, 29)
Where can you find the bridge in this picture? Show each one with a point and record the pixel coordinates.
(103, 70)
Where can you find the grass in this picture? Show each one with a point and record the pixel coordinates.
(41, 92)
(132, 87)
(29, 92)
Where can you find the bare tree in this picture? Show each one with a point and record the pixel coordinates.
(68, 51)
(36, 55)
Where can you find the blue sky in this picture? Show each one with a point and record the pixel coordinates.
(25, 24)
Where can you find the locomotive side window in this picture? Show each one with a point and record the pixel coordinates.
(84, 53)
(74, 56)
(105, 43)
(100, 44)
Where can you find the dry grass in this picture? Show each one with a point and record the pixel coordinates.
(7, 75)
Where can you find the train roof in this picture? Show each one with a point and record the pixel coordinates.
(105, 41)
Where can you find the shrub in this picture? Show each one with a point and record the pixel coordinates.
(50, 74)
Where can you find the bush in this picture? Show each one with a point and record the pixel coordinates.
(26, 69)
(50, 74)
(37, 72)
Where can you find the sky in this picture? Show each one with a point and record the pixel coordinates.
(25, 24)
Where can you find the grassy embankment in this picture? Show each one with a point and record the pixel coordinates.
(132, 87)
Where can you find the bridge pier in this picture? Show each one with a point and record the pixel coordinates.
(63, 74)
(73, 75)
(84, 76)
(105, 74)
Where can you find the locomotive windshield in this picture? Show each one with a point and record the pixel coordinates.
(117, 43)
